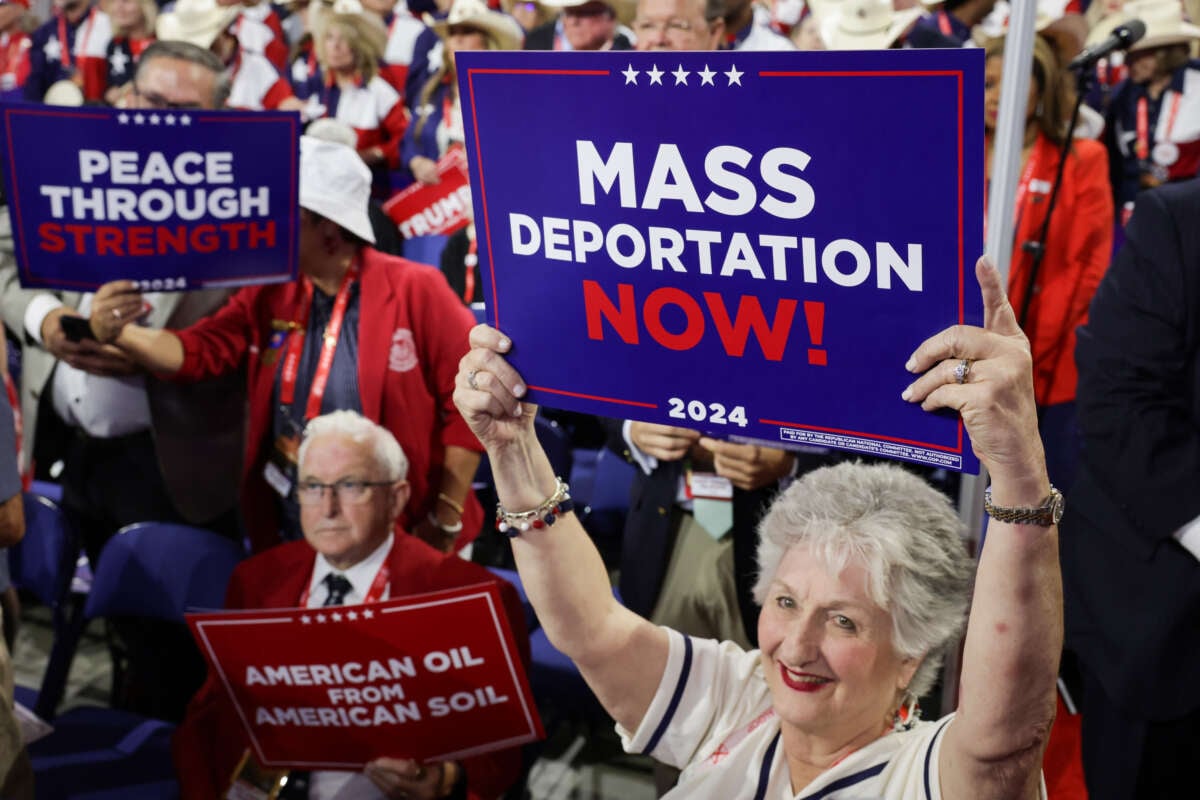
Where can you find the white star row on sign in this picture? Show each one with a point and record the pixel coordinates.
(335, 616)
(153, 119)
(706, 75)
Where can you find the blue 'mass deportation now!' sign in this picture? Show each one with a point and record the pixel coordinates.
(172, 199)
(747, 243)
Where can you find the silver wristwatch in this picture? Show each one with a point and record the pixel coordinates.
(1047, 514)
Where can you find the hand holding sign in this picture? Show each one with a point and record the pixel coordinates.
(986, 375)
(85, 354)
(664, 442)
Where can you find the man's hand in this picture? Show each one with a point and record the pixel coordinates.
(86, 355)
(116, 304)
(748, 466)
(664, 442)
(405, 779)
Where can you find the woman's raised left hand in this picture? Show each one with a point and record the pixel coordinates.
(986, 375)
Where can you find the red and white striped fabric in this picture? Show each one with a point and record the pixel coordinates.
(257, 85)
(91, 53)
(402, 40)
(376, 113)
(260, 30)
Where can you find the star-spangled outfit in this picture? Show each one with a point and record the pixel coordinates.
(14, 63)
(712, 717)
(373, 108)
(947, 25)
(1173, 120)
(60, 49)
(122, 55)
(759, 35)
(259, 29)
(256, 84)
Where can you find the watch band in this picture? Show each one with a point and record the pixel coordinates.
(1046, 514)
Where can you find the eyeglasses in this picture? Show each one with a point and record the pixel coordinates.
(155, 100)
(349, 492)
(645, 27)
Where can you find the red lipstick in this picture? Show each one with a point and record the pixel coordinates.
(813, 684)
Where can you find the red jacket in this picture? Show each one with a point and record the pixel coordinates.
(412, 331)
(211, 740)
(1078, 249)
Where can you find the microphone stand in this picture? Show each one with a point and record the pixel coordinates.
(1037, 248)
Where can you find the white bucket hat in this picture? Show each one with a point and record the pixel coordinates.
(1164, 24)
(335, 183)
(196, 21)
(869, 25)
(63, 93)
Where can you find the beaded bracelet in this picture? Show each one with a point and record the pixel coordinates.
(545, 515)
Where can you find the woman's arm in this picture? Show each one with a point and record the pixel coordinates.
(993, 749)
(621, 655)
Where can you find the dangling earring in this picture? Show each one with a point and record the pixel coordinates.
(907, 715)
(1041, 107)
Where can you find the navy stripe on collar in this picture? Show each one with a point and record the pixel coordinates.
(675, 698)
(764, 772)
(849, 780)
(929, 758)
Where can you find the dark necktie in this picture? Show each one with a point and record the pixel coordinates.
(338, 587)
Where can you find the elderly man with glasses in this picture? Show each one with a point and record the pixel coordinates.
(352, 488)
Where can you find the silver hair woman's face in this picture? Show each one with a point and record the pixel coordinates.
(827, 650)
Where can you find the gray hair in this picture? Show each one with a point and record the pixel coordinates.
(186, 51)
(901, 530)
(360, 430)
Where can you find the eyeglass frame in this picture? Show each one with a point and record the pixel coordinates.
(337, 488)
(159, 103)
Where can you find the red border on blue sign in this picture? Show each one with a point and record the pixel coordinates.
(954, 73)
(43, 111)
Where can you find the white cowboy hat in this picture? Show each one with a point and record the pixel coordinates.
(505, 30)
(1164, 24)
(196, 21)
(869, 25)
(625, 10)
(335, 183)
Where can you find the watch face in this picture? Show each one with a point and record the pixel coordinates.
(1057, 506)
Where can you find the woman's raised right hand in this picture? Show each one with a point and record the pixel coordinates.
(488, 391)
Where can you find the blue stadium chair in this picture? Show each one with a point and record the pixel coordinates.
(44, 564)
(149, 569)
(161, 570)
(512, 577)
(608, 503)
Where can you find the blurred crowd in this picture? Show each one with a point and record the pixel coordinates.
(218, 445)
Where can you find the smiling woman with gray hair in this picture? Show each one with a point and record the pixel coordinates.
(864, 586)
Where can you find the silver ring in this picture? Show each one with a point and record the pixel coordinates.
(117, 313)
(471, 379)
(962, 371)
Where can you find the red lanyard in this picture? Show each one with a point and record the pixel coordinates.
(944, 24)
(1143, 124)
(469, 279)
(374, 594)
(447, 110)
(291, 362)
(65, 49)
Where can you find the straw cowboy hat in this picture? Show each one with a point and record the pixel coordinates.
(869, 25)
(196, 21)
(625, 10)
(1164, 24)
(502, 28)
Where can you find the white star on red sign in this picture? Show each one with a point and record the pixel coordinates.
(367, 614)
(320, 617)
(306, 619)
(352, 615)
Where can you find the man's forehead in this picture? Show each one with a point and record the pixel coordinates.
(184, 80)
(650, 8)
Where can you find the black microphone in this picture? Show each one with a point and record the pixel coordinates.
(1122, 38)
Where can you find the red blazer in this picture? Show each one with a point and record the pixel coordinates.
(412, 331)
(211, 740)
(1078, 249)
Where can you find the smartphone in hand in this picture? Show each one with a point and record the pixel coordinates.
(76, 329)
